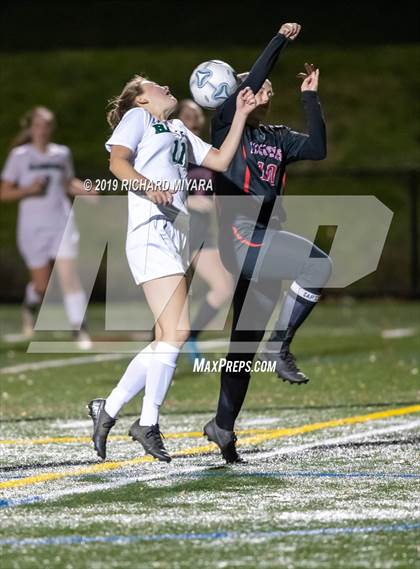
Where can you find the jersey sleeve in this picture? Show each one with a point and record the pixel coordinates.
(130, 130)
(11, 169)
(292, 142)
(311, 146)
(68, 165)
(197, 148)
(256, 77)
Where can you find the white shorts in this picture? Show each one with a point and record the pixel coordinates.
(39, 245)
(157, 249)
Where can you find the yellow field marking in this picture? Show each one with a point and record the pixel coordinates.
(63, 440)
(276, 433)
(84, 439)
(269, 434)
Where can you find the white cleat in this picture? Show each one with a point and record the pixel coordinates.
(83, 340)
(28, 322)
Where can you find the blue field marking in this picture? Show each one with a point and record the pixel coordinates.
(124, 539)
(303, 474)
(13, 503)
(327, 474)
(19, 502)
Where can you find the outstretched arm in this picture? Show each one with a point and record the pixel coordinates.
(219, 159)
(313, 144)
(261, 68)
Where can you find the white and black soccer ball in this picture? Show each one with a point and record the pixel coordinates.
(212, 82)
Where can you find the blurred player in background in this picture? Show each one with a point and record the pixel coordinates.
(39, 174)
(203, 243)
(146, 147)
(263, 256)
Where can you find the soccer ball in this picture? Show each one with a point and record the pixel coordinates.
(212, 82)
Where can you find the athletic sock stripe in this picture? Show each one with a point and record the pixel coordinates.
(303, 293)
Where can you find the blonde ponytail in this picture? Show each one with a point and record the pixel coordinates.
(125, 101)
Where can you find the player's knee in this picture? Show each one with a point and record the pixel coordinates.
(318, 269)
(218, 296)
(324, 269)
(40, 290)
(321, 273)
(178, 337)
(182, 336)
(157, 333)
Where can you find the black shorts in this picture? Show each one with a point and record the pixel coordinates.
(263, 255)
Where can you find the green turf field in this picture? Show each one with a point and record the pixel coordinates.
(332, 478)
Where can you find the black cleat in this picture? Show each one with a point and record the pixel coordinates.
(225, 440)
(102, 424)
(286, 367)
(150, 438)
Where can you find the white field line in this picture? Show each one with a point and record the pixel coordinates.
(57, 363)
(314, 331)
(204, 345)
(34, 366)
(107, 347)
(398, 333)
(116, 483)
(338, 440)
(119, 482)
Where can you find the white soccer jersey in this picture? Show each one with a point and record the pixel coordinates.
(24, 165)
(46, 227)
(161, 152)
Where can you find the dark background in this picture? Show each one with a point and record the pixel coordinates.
(51, 25)
(74, 56)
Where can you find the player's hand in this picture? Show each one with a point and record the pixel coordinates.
(290, 31)
(310, 78)
(36, 188)
(245, 101)
(159, 196)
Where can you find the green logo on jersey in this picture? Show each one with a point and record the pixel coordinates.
(159, 128)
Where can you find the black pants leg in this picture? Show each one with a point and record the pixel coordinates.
(253, 304)
(287, 256)
(290, 256)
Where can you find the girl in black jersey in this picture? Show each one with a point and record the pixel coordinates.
(253, 249)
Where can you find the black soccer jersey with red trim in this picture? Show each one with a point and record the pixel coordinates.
(259, 164)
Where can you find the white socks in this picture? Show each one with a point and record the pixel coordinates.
(161, 368)
(75, 304)
(133, 381)
(151, 368)
(32, 297)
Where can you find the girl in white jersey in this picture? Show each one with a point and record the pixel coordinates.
(147, 148)
(39, 174)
